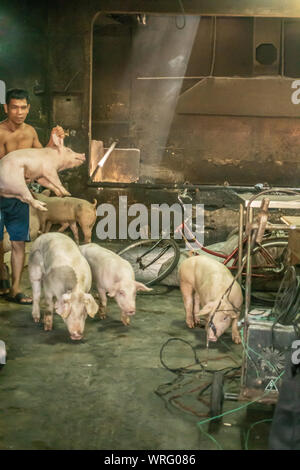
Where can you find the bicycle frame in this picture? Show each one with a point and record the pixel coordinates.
(226, 258)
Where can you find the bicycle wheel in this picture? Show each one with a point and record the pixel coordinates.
(268, 265)
(152, 260)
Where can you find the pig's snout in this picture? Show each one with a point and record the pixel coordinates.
(130, 312)
(75, 335)
(211, 336)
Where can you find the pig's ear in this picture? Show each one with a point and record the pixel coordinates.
(90, 305)
(207, 309)
(57, 141)
(234, 314)
(63, 306)
(141, 286)
(112, 292)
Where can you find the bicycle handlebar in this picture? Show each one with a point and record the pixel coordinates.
(183, 194)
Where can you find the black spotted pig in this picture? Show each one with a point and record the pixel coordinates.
(115, 276)
(203, 281)
(39, 164)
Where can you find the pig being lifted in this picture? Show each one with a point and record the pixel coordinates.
(56, 263)
(114, 275)
(40, 164)
(203, 281)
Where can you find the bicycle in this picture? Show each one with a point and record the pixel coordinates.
(154, 260)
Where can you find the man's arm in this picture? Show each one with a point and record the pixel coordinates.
(2, 145)
(56, 130)
(36, 144)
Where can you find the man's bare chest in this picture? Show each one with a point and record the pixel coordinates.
(18, 140)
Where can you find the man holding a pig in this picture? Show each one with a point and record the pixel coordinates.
(14, 214)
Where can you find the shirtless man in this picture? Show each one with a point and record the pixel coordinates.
(14, 214)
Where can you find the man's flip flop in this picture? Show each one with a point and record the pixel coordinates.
(17, 299)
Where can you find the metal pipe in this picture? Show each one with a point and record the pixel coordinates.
(248, 269)
(231, 396)
(170, 185)
(281, 227)
(248, 221)
(177, 186)
(240, 245)
(103, 159)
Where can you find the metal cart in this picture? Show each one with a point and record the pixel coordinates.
(265, 343)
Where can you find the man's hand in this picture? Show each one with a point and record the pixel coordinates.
(58, 130)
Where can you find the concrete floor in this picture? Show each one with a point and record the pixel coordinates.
(99, 393)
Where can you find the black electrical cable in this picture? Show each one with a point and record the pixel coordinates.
(180, 380)
(197, 361)
(179, 369)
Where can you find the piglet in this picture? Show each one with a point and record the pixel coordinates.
(115, 276)
(56, 263)
(39, 164)
(68, 211)
(203, 281)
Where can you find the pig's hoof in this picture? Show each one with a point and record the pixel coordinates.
(41, 206)
(102, 316)
(48, 325)
(190, 324)
(236, 339)
(201, 323)
(126, 321)
(36, 319)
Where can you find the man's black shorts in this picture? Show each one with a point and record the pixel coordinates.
(14, 215)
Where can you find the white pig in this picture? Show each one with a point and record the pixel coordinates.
(115, 276)
(203, 281)
(56, 263)
(40, 164)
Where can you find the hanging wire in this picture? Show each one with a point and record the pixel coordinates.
(282, 48)
(183, 15)
(213, 59)
(251, 427)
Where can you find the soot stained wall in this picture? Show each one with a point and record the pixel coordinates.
(135, 100)
(48, 45)
(23, 56)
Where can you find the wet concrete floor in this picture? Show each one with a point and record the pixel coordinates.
(111, 390)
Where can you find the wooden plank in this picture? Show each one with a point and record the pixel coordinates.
(291, 221)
